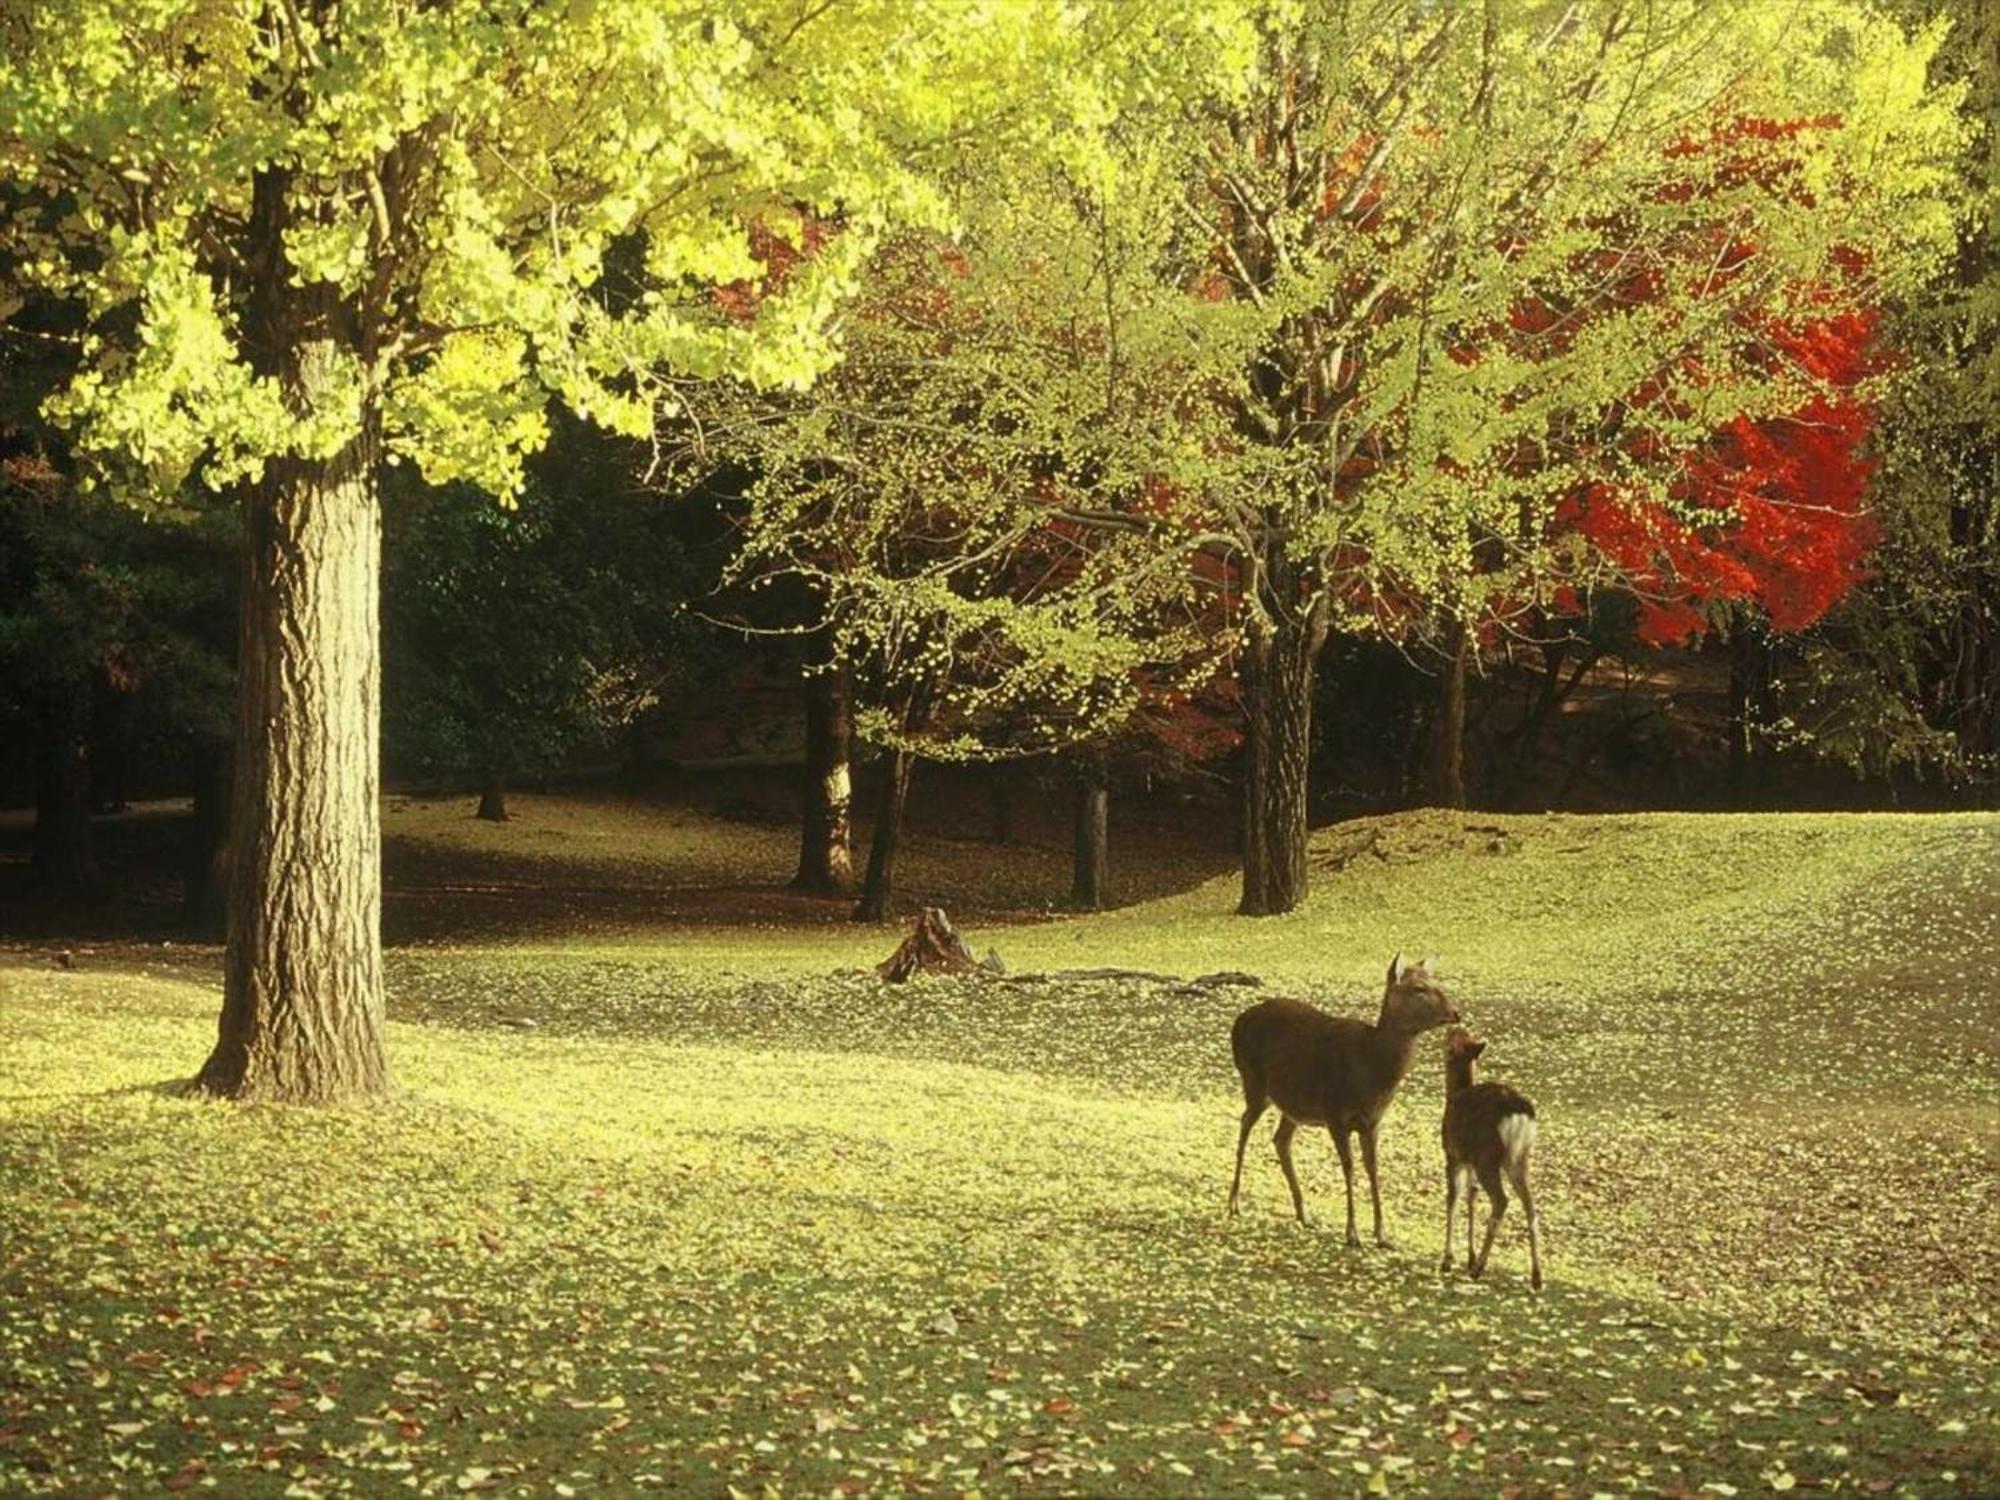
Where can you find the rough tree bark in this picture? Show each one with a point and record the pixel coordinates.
(876, 890)
(1092, 850)
(1278, 659)
(933, 947)
(826, 833)
(302, 971)
(493, 796)
(1445, 781)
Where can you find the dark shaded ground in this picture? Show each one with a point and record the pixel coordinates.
(711, 849)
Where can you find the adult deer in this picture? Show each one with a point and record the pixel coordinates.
(1328, 1070)
(1489, 1130)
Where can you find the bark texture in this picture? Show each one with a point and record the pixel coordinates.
(302, 990)
(1277, 683)
(826, 831)
(933, 947)
(876, 891)
(1445, 782)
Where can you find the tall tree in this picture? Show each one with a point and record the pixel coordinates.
(316, 236)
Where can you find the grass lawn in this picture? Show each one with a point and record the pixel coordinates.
(731, 1216)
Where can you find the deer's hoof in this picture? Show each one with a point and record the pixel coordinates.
(1383, 1242)
(1353, 1240)
(1476, 1271)
(1445, 1264)
(1535, 1281)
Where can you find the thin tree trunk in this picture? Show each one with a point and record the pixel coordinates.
(302, 984)
(1751, 763)
(878, 888)
(1277, 672)
(1093, 820)
(493, 796)
(1445, 784)
(826, 833)
(204, 904)
(1000, 803)
(61, 853)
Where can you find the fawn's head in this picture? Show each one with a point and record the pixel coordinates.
(1461, 1051)
(1413, 1001)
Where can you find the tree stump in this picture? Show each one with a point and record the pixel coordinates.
(933, 947)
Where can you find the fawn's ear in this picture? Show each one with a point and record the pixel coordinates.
(1430, 963)
(1475, 1049)
(1396, 969)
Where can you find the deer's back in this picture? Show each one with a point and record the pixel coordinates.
(1313, 1066)
(1472, 1117)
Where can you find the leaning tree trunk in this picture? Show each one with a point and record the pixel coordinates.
(493, 796)
(302, 983)
(61, 856)
(1445, 781)
(1277, 687)
(875, 892)
(1092, 859)
(826, 833)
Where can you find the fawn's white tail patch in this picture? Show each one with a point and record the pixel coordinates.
(1517, 1136)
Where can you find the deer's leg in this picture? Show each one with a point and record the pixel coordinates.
(1450, 1210)
(1346, 1151)
(1471, 1204)
(1252, 1113)
(1374, 1183)
(1496, 1195)
(1287, 1127)
(1518, 1171)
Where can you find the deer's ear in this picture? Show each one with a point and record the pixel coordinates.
(1475, 1049)
(1396, 969)
(1430, 963)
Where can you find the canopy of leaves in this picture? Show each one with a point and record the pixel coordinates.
(450, 183)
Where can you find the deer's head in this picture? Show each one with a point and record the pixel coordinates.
(1413, 1000)
(1461, 1051)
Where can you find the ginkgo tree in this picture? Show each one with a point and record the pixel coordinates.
(1299, 291)
(315, 237)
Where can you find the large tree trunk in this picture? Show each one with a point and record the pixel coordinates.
(61, 855)
(204, 906)
(493, 796)
(1093, 819)
(826, 833)
(876, 891)
(1277, 687)
(302, 985)
(1445, 781)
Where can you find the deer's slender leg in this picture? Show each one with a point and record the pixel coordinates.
(1251, 1116)
(1346, 1151)
(1519, 1173)
(1471, 1204)
(1283, 1141)
(1496, 1195)
(1450, 1210)
(1374, 1183)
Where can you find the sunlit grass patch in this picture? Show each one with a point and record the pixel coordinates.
(709, 1223)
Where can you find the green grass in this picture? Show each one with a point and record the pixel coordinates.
(725, 1217)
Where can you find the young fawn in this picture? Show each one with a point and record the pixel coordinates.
(1327, 1070)
(1489, 1130)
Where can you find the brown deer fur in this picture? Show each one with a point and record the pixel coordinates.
(1332, 1071)
(1489, 1132)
